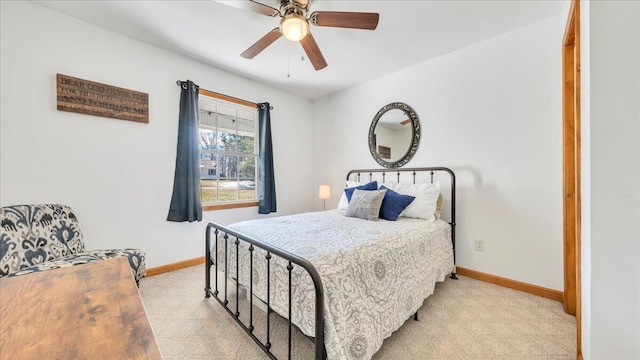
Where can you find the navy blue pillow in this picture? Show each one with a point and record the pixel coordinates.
(393, 204)
(368, 186)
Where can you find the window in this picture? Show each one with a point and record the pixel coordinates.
(228, 153)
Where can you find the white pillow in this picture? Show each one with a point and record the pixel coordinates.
(344, 202)
(426, 199)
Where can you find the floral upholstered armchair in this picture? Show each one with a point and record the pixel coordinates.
(43, 237)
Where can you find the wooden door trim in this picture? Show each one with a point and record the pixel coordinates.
(569, 167)
(572, 298)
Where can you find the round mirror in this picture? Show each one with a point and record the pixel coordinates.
(394, 135)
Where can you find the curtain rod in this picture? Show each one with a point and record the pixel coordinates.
(226, 97)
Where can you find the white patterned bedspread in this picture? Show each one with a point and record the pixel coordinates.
(375, 274)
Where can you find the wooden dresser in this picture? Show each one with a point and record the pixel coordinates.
(90, 311)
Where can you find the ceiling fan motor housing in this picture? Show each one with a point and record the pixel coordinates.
(300, 3)
(288, 7)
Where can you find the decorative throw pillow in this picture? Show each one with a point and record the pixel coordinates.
(352, 185)
(343, 203)
(393, 204)
(365, 204)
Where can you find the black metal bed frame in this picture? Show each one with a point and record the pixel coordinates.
(226, 233)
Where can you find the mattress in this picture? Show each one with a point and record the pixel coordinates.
(375, 274)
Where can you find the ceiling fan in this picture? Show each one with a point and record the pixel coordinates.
(294, 25)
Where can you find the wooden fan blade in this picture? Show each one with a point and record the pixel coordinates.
(313, 52)
(262, 44)
(252, 6)
(405, 122)
(352, 20)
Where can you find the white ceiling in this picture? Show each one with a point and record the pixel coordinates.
(409, 32)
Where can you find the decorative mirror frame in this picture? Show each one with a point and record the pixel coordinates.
(415, 139)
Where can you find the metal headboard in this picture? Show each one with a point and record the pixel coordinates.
(414, 172)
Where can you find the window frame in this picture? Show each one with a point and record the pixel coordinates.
(220, 98)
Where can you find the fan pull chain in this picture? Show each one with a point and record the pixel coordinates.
(289, 64)
(289, 61)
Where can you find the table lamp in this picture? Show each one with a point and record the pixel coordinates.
(324, 193)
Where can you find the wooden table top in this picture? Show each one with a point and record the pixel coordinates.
(89, 311)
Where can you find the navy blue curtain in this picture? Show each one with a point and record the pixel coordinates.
(185, 200)
(266, 181)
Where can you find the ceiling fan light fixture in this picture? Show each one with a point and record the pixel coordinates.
(294, 27)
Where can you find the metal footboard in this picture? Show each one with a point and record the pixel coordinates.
(228, 235)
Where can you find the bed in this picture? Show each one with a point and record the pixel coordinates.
(344, 281)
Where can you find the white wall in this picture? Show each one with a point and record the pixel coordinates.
(492, 113)
(585, 179)
(118, 175)
(611, 214)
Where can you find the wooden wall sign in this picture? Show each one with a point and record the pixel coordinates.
(92, 98)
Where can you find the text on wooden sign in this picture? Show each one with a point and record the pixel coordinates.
(92, 98)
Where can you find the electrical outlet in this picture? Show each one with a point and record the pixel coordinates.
(479, 245)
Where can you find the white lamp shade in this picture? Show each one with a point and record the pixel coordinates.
(324, 192)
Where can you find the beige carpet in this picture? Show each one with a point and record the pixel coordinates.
(463, 319)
